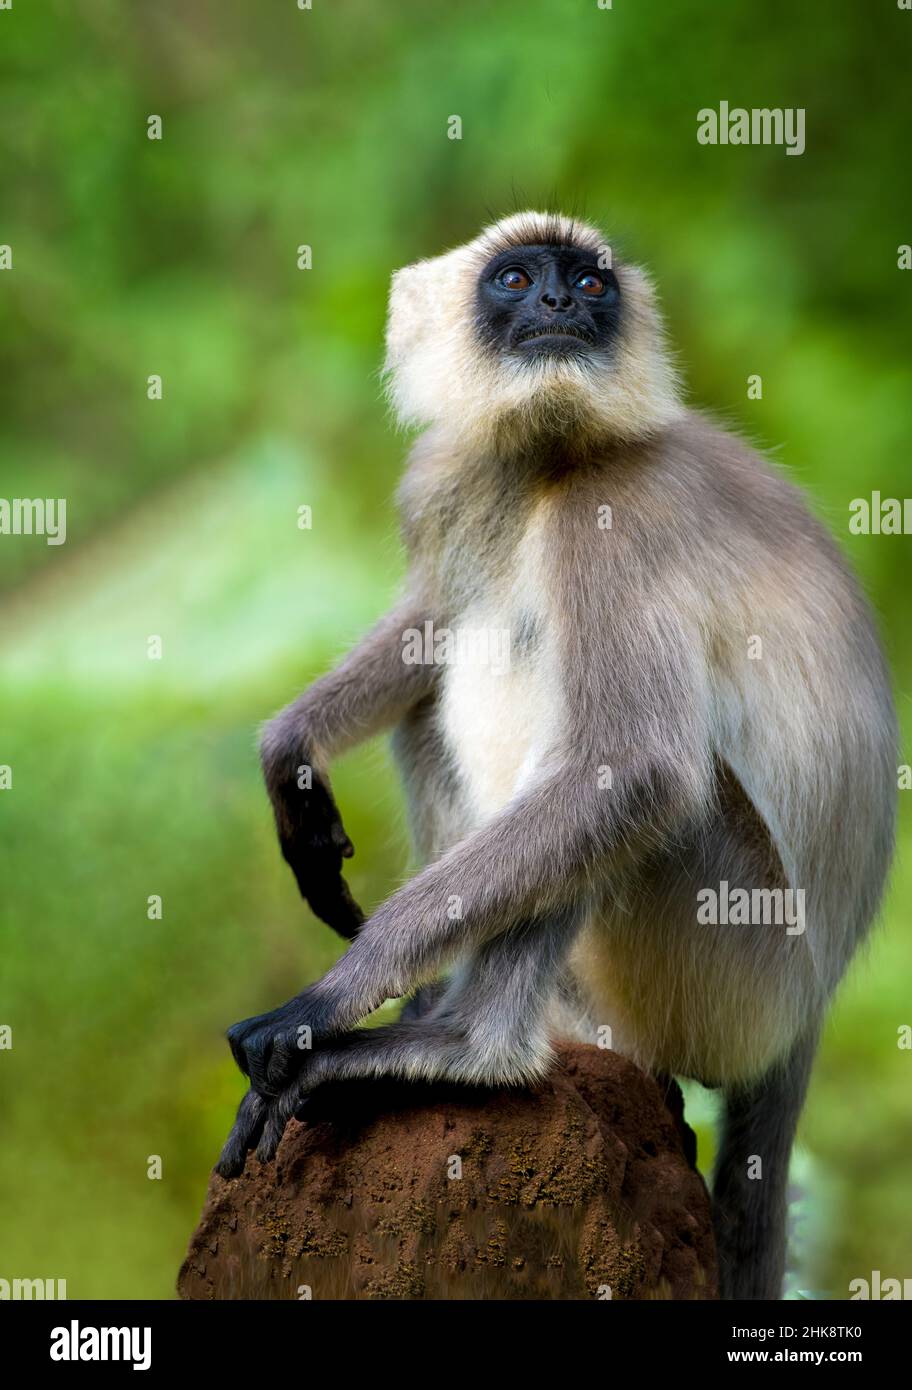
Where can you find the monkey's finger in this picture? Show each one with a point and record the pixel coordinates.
(285, 1105)
(248, 1126)
(235, 1035)
(259, 1060)
(350, 917)
(272, 1134)
(284, 1061)
(333, 903)
(341, 841)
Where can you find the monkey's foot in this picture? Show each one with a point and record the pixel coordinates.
(433, 1048)
(245, 1132)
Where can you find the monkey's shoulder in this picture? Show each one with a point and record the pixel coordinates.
(727, 479)
(697, 489)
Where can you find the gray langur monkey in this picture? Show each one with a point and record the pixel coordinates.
(695, 700)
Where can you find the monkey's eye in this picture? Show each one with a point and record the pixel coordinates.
(514, 278)
(590, 283)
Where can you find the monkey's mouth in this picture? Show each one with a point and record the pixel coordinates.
(553, 337)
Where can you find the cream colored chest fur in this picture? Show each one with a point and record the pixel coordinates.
(501, 696)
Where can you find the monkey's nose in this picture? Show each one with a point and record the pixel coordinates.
(556, 301)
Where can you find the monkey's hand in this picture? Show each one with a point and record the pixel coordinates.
(312, 836)
(276, 1051)
(275, 1047)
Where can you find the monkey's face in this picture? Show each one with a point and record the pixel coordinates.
(535, 302)
(522, 329)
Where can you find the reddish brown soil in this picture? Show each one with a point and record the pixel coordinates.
(578, 1187)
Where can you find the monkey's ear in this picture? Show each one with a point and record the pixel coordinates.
(408, 309)
(429, 316)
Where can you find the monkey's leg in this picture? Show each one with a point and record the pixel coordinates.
(749, 1197)
(531, 860)
(489, 1027)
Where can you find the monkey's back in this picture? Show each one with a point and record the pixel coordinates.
(803, 734)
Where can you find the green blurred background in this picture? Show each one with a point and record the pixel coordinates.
(135, 777)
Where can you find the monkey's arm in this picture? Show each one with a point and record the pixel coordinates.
(370, 690)
(637, 708)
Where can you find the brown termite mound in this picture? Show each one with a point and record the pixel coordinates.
(581, 1189)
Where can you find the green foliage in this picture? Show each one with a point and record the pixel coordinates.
(178, 257)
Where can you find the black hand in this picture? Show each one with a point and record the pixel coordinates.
(314, 843)
(273, 1048)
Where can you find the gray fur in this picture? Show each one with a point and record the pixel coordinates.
(576, 905)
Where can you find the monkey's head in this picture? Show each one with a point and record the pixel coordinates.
(532, 326)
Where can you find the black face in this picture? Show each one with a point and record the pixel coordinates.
(536, 301)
